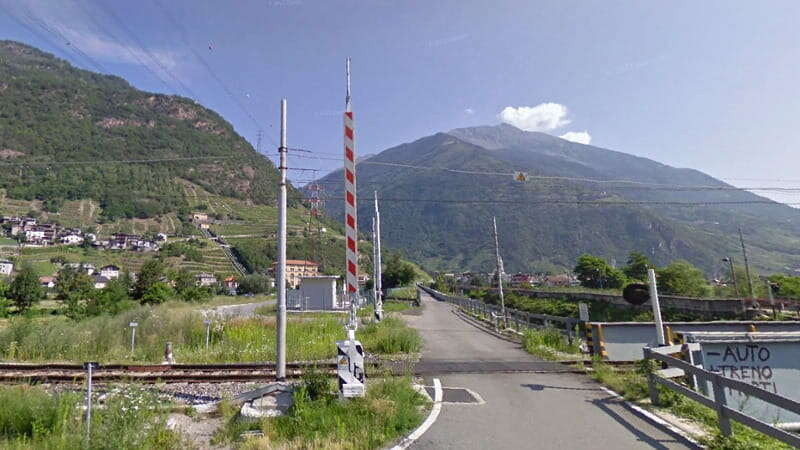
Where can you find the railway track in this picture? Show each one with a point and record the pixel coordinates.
(256, 372)
(155, 373)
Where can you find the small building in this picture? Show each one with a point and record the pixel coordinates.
(199, 217)
(319, 293)
(521, 279)
(100, 281)
(204, 226)
(206, 279)
(6, 267)
(296, 269)
(85, 267)
(47, 282)
(161, 237)
(35, 235)
(110, 271)
(231, 284)
(72, 239)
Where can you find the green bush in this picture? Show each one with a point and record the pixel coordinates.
(390, 336)
(34, 419)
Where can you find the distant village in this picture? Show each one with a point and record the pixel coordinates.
(30, 232)
(517, 280)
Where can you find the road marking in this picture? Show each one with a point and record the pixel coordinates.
(647, 414)
(437, 407)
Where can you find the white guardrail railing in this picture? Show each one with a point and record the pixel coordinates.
(518, 320)
(699, 378)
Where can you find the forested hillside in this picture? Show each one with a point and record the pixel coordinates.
(70, 134)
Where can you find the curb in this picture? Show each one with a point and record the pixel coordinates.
(434, 414)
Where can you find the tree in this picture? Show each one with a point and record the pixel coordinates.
(25, 290)
(397, 272)
(637, 266)
(158, 292)
(5, 302)
(111, 299)
(594, 272)
(254, 284)
(74, 287)
(151, 273)
(682, 278)
(183, 280)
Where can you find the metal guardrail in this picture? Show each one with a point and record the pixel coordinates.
(677, 367)
(519, 320)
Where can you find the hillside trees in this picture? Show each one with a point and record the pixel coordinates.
(594, 272)
(682, 278)
(637, 266)
(25, 290)
(397, 272)
(74, 287)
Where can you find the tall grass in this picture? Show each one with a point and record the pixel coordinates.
(33, 419)
(390, 409)
(548, 343)
(107, 338)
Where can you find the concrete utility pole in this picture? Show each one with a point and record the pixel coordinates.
(379, 273)
(746, 265)
(499, 269)
(651, 275)
(281, 328)
(374, 267)
(733, 274)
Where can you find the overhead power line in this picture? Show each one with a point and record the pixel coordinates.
(207, 66)
(110, 12)
(115, 38)
(569, 202)
(43, 36)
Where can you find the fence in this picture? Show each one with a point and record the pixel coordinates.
(678, 368)
(519, 320)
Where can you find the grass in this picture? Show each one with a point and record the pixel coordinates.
(107, 339)
(319, 420)
(404, 293)
(550, 344)
(389, 306)
(34, 419)
(632, 384)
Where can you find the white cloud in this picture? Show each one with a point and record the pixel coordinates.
(469, 111)
(581, 137)
(542, 117)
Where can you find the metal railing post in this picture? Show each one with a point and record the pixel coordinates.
(720, 401)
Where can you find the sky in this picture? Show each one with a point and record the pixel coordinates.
(709, 85)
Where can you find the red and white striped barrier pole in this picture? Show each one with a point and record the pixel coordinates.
(351, 218)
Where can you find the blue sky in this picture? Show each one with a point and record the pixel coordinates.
(709, 85)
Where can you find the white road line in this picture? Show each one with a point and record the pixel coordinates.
(437, 407)
(653, 417)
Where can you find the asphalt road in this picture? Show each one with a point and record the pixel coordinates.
(522, 410)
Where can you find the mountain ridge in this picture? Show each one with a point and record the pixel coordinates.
(567, 217)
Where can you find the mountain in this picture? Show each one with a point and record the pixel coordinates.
(544, 224)
(67, 133)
